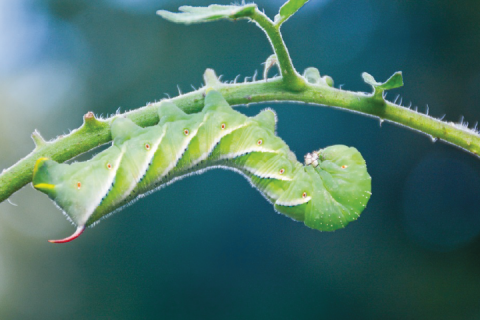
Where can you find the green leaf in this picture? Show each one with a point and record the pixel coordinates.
(369, 79)
(395, 81)
(288, 9)
(213, 12)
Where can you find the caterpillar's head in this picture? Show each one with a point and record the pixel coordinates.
(42, 178)
(330, 191)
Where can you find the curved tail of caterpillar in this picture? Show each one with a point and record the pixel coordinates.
(328, 192)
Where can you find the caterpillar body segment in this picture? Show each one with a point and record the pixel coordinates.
(327, 193)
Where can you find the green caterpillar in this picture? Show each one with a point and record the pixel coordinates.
(328, 192)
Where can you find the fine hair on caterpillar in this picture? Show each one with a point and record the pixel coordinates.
(327, 192)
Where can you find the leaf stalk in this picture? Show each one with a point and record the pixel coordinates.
(293, 81)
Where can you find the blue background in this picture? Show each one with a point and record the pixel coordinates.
(210, 246)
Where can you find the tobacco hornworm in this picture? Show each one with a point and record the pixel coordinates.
(328, 192)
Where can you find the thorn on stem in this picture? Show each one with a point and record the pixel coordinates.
(89, 116)
(211, 79)
(38, 139)
(90, 121)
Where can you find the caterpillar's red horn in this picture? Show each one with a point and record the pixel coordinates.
(74, 236)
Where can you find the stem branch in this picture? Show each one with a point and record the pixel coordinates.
(97, 132)
(293, 81)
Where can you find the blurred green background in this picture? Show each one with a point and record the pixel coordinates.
(210, 246)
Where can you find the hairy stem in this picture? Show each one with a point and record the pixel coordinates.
(97, 132)
(293, 81)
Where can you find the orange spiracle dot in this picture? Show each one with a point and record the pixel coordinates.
(304, 195)
(79, 185)
(186, 132)
(259, 142)
(223, 126)
(344, 167)
(147, 146)
(282, 171)
(109, 166)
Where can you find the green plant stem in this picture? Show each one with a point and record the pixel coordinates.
(97, 132)
(292, 80)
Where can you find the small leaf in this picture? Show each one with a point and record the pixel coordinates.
(213, 12)
(312, 75)
(369, 79)
(395, 81)
(328, 80)
(288, 9)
